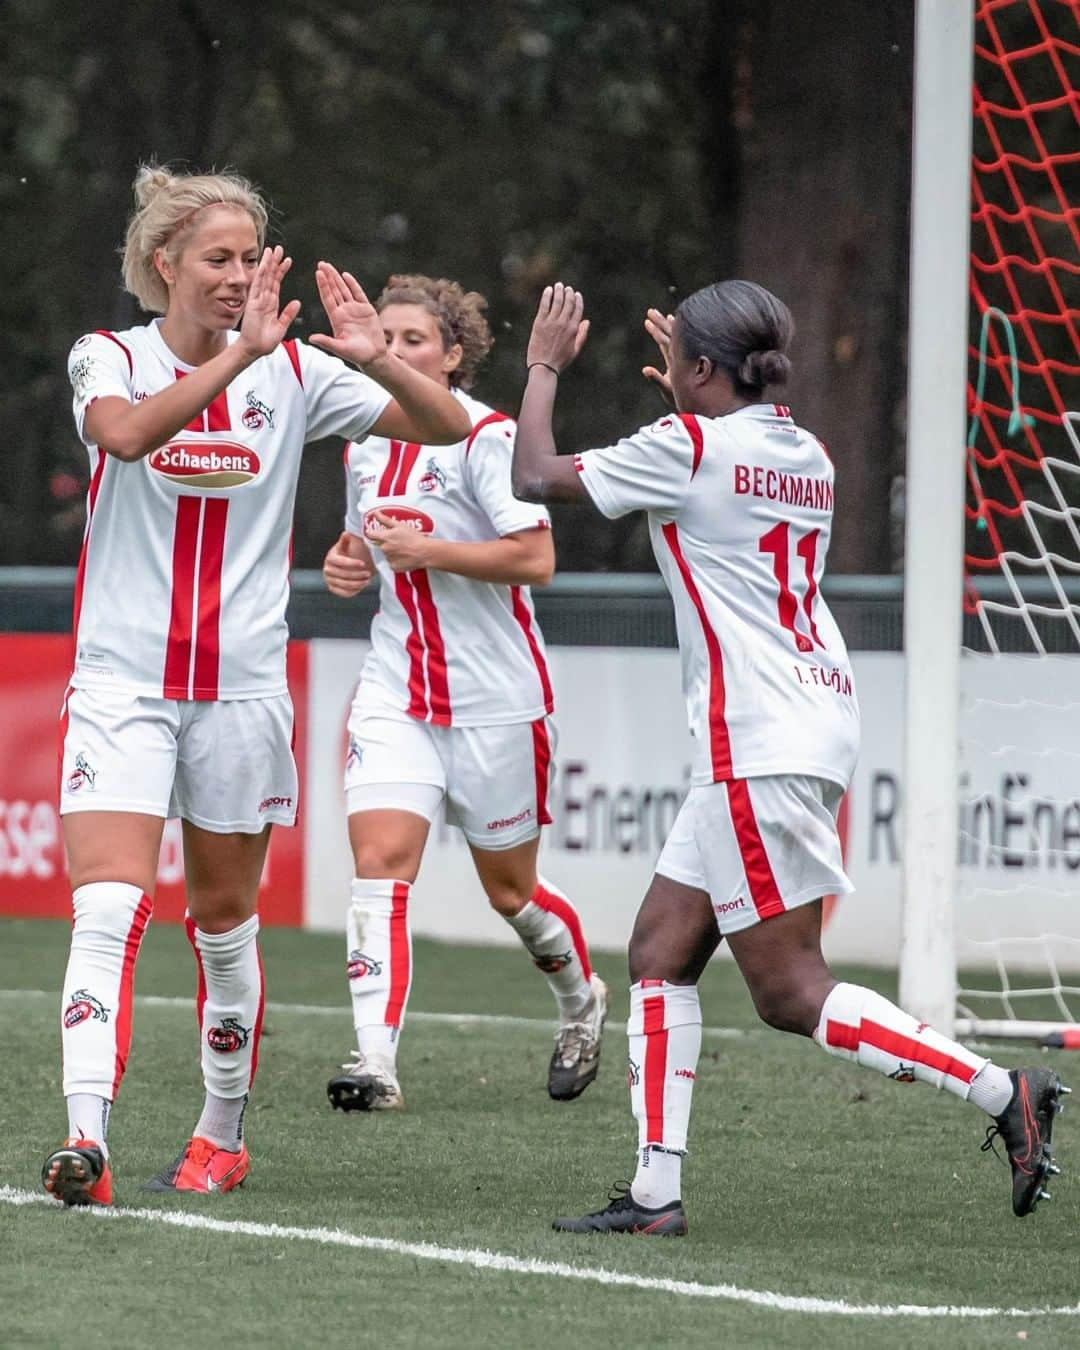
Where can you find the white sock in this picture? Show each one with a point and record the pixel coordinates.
(858, 1025)
(379, 948)
(551, 930)
(658, 1179)
(222, 1122)
(99, 987)
(88, 1118)
(229, 1007)
(991, 1089)
(664, 1033)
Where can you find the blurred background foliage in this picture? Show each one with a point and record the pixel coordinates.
(636, 150)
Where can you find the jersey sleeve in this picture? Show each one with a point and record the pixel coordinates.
(487, 465)
(98, 367)
(340, 401)
(648, 471)
(353, 523)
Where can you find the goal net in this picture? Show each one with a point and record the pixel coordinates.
(1018, 854)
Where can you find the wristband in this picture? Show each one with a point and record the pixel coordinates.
(541, 363)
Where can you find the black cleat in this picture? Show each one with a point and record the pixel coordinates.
(369, 1083)
(77, 1174)
(1024, 1128)
(625, 1215)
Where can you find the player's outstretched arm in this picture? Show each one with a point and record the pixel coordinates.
(420, 410)
(347, 567)
(540, 473)
(131, 430)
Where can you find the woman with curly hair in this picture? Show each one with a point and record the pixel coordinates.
(454, 699)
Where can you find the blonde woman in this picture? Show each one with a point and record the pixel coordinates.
(454, 699)
(178, 704)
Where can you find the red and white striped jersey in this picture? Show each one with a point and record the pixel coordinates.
(444, 648)
(740, 511)
(184, 574)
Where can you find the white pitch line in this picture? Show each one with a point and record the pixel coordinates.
(321, 1010)
(485, 1260)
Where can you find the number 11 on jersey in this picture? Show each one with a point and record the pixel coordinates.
(777, 542)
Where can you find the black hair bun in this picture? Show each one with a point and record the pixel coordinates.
(761, 368)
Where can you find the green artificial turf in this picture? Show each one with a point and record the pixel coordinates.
(806, 1177)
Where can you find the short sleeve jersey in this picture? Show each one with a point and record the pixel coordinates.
(740, 510)
(444, 648)
(183, 579)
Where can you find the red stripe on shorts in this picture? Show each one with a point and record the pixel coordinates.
(126, 998)
(400, 955)
(755, 860)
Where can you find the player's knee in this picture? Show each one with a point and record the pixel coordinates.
(784, 1006)
(378, 859)
(507, 899)
(220, 910)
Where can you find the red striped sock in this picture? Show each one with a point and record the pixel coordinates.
(99, 987)
(379, 961)
(550, 928)
(664, 1031)
(859, 1025)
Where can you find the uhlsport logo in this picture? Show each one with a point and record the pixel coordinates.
(360, 965)
(904, 1073)
(206, 463)
(400, 515)
(633, 1074)
(229, 1037)
(82, 1007)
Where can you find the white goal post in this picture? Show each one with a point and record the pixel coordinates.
(934, 503)
(990, 925)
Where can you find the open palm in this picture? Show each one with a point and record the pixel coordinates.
(264, 325)
(355, 323)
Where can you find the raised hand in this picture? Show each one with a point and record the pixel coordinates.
(263, 326)
(354, 321)
(658, 326)
(558, 331)
(347, 568)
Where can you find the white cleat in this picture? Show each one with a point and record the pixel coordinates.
(369, 1083)
(576, 1060)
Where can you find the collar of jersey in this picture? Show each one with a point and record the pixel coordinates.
(164, 350)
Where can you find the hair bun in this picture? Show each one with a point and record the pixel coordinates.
(149, 181)
(761, 368)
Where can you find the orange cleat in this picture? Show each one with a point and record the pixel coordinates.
(78, 1173)
(202, 1168)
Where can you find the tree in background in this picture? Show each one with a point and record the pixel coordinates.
(638, 151)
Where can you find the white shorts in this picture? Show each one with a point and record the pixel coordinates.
(496, 780)
(759, 846)
(226, 767)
